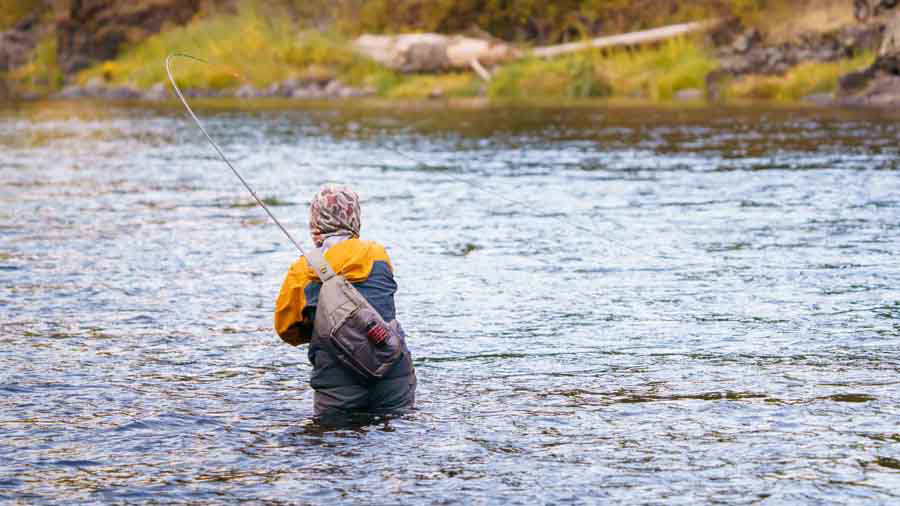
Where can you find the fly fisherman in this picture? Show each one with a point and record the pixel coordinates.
(334, 222)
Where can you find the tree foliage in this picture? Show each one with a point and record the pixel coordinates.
(536, 21)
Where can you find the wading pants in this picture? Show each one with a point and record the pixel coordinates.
(339, 391)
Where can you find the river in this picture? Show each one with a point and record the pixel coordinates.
(605, 304)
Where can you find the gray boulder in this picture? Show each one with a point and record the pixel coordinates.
(689, 95)
(334, 88)
(71, 91)
(95, 87)
(272, 90)
(859, 38)
(197, 93)
(883, 91)
(308, 92)
(715, 84)
(247, 91)
(158, 92)
(368, 91)
(746, 40)
(819, 99)
(289, 85)
(748, 53)
(878, 85)
(91, 31)
(17, 43)
(121, 93)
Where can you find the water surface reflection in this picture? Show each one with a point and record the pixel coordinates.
(692, 305)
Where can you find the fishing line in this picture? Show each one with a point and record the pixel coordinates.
(216, 146)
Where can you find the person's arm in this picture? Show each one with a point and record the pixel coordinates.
(292, 318)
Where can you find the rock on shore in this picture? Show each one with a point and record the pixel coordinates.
(745, 51)
(92, 31)
(17, 43)
(878, 85)
(289, 88)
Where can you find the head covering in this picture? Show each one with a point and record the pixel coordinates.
(334, 211)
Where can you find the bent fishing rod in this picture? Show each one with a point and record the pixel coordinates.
(216, 146)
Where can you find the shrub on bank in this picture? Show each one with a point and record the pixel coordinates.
(655, 73)
(575, 76)
(439, 85)
(253, 46)
(42, 73)
(13, 11)
(801, 81)
(659, 72)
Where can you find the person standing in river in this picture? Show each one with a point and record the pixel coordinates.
(334, 223)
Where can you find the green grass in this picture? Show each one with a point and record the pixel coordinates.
(446, 85)
(655, 73)
(253, 46)
(658, 73)
(799, 82)
(575, 76)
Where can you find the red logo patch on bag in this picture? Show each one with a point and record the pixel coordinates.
(377, 334)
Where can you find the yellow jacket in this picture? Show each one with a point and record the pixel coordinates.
(366, 264)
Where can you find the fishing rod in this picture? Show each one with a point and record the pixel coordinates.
(216, 146)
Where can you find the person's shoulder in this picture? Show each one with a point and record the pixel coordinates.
(365, 247)
(363, 253)
(378, 249)
(301, 269)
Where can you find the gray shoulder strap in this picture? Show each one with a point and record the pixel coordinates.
(316, 258)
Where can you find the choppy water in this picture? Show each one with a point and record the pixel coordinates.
(728, 331)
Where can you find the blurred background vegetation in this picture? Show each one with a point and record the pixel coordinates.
(529, 21)
(262, 42)
(12, 11)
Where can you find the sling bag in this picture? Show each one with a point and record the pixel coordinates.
(350, 327)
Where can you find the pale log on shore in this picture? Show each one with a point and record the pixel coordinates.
(432, 52)
(480, 70)
(626, 39)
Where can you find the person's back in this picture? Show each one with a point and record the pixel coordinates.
(334, 223)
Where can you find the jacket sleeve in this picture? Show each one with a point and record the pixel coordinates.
(291, 322)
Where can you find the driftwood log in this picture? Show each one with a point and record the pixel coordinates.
(432, 52)
(627, 39)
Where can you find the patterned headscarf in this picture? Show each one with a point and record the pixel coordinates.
(334, 211)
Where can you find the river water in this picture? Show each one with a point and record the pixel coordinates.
(604, 305)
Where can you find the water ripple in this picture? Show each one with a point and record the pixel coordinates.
(690, 306)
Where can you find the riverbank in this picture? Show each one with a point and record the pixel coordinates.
(261, 56)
